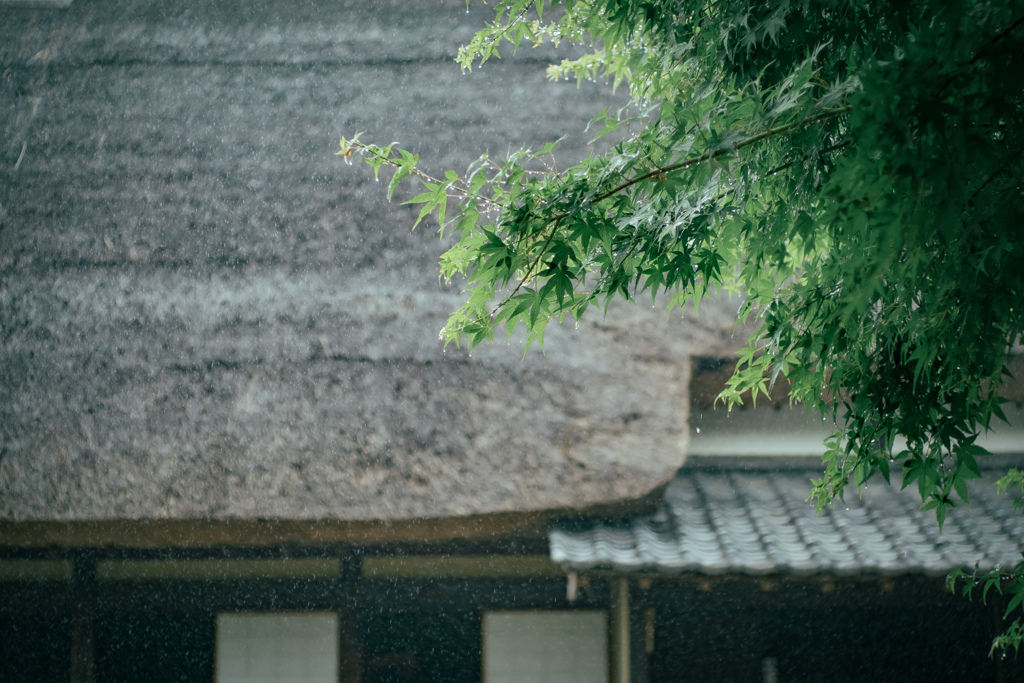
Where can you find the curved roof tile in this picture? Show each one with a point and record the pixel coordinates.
(756, 523)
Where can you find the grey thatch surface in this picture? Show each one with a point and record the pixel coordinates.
(204, 314)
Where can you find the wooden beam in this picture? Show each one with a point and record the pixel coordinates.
(219, 569)
(709, 376)
(460, 567)
(36, 570)
(186, 533)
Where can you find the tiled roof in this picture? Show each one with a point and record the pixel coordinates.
(757, 521)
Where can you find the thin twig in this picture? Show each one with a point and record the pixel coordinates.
(720, 152)
(982, 51)
(783, 167)
(555, 220)
(533, 266)
(462, 194)
(996, 174)
(995, 40)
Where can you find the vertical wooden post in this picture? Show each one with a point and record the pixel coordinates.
(83, 620)
(349, 650)
(350, 645)
(82, 645)
(638, 639)
(620, 631)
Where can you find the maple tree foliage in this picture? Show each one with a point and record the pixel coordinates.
(853, 169)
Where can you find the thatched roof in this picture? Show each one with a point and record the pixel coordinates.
(204, 314)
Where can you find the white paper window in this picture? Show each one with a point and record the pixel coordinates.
(272, 647)
(545, 647)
